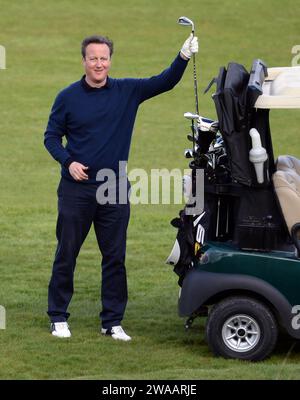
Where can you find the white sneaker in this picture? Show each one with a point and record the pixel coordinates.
(117, 333)
(60, 329)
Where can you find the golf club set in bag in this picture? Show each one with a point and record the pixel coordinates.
(236, 156)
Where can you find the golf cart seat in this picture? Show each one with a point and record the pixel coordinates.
(286, 182)
(286, 163)
(281, 89)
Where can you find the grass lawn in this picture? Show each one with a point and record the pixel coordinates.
(42, 40)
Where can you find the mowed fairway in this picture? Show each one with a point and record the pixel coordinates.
(42, 41)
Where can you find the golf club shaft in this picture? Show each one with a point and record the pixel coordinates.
(196, 93)
(195, 79)
(195, 84)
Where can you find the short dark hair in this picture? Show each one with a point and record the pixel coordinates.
(96, 39)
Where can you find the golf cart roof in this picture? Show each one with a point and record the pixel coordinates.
(281, 89)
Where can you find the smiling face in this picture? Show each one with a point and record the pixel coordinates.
(97, 63)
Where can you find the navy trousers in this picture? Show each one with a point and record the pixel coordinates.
(78, 209)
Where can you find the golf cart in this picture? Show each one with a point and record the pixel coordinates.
(237, 257)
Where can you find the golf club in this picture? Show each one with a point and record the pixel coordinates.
(191, 116)
(188, 153)
(188, 22)
(207, 125)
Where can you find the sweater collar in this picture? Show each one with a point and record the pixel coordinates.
(89, 88)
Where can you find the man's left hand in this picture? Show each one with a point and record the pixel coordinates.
(190, 47)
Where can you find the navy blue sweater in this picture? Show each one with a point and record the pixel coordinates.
(98, 122)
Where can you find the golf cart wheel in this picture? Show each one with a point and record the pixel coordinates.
(241, 327)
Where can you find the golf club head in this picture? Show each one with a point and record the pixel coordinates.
(188, 153)
(218, 145)
(222, 159)
(191, 116)
(207, 125)
(186, 22)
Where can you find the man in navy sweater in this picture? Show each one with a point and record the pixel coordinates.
(96, 115)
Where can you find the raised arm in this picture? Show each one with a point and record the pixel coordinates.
(166, 80)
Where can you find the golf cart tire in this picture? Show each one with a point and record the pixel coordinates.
(242, 328)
